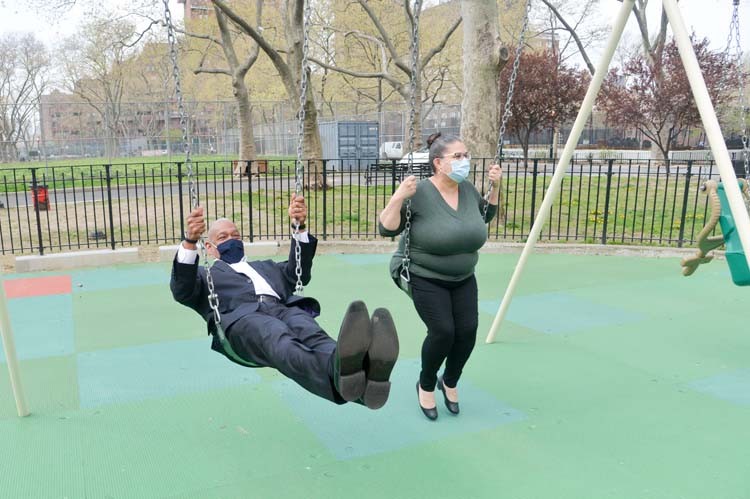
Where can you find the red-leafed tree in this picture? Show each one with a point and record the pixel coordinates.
(653, 94)
(547, 93)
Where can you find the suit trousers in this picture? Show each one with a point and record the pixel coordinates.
(288, 339)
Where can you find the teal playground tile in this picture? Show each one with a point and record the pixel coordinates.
(42, 326)
(119, 278)
(352, 431)
(155, 371)
(558, 313)
(375, 259)
(732, 387)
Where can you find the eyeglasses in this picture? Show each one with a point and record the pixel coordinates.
(459, 155)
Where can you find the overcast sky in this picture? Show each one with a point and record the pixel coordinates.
(708, 18)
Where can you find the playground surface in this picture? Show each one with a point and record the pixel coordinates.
(613, 377)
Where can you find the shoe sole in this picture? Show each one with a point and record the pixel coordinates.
(383, 354)
(353, 341)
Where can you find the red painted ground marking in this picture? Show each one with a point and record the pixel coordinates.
(38, 286)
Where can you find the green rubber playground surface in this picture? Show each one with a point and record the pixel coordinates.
(613, 377)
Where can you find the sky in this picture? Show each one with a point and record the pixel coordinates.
(15, 18)
(708, 18)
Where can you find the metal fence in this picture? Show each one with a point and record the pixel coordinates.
(57, 209)
(66, 127)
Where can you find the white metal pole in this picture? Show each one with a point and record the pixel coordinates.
(711, 124)
(562, 165)
(10, 355)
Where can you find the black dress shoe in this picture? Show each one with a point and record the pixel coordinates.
(351, 348)
(431, 414)
(381, 357)
(452, 406)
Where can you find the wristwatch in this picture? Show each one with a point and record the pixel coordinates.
(301, 226)
(188, 240)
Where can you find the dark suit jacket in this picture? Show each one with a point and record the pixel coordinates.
(236, 291)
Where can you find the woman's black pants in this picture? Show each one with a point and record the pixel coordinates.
(450, 312)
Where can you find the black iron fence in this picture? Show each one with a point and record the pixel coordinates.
(109, 206)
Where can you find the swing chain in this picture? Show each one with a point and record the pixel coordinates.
(213, 298)
(406, 261)
(512, 82)
(508, 100)
(735, 34)
(733, 44)
(299, 168)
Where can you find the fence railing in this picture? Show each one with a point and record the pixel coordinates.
(110, 206)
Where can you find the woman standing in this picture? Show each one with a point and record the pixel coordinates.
(447, 229)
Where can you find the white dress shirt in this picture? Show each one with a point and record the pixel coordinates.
(262, 287)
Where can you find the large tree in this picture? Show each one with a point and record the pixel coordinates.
(548, 92)
(24, 62)
(238, 64)
(288, 64)
(94, 66)
(390, 45)
(653, 94)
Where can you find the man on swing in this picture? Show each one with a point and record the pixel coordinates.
(266, 324)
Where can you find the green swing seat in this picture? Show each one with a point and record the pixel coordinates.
(734, 253)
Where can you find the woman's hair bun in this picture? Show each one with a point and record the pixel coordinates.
(432, 138)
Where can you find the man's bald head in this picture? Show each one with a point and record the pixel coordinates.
(220, 227)
(219, 231)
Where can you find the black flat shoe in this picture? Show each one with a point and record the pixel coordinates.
(430, 414)
(452, 406)
(381, 357)
(353, 341)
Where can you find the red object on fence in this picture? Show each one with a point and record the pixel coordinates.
(40, 197)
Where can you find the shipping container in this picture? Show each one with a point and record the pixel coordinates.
(350, 145)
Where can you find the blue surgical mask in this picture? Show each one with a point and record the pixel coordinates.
(459, 170)
(231, 250)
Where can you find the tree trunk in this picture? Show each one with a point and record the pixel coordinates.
(660, 148)
(312, 149)
(245, 125)
(525, 137)
(555, 142)
(484, 57)
(311, 146)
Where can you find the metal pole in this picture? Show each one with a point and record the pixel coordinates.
(710, 124)
(562, 165)
(108, 172)
(10, 355)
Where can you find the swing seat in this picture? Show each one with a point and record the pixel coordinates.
(734, 252)
(228, 351)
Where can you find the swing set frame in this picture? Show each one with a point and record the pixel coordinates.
(719, 150)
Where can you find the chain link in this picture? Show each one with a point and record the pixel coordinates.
(508, 100)
(299, 167)
(213, 298)
(406, 261)
(734, 45)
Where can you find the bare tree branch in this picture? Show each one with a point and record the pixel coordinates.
(216, 71)
(441, 45)
(273, 54)
(386, 39)
(356, 74)
(572, 30)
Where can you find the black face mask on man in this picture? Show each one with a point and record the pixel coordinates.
(231, 250)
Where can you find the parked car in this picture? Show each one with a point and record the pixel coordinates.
(420, 157)
(391, 150)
